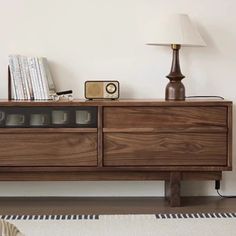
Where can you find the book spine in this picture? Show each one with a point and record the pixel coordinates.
(51, 86)
(23, 78)
(33, 77)
(40, 79)
(44, 78)
(14, 94)
(28, 77)
(18, 79)
(36, 77)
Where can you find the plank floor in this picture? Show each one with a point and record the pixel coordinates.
(112, 205)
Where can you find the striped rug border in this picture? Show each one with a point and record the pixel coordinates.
(96, 217)
(49, 217)
(195, 215)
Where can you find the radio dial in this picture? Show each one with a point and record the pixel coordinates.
(111, 88)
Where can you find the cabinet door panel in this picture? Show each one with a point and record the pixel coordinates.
(166, 118)
(48, 117)
(155, 149)
(48, 149)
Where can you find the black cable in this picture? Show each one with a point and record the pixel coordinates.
(217, 190)
(205, 97)
(64, 92)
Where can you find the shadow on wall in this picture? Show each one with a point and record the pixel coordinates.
(210, 60)
(126, 91)
(229, 178)
(189, 57)
(198, 188)
(65, 79)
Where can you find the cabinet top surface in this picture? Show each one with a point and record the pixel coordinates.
(120, 102)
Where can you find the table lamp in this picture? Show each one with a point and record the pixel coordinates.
(176, 31)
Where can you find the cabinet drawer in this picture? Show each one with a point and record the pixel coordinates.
(166, 118)
(160, 149)
(48, 149)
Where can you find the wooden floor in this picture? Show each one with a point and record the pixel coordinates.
(123, 205)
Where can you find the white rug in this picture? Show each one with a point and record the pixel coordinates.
(127, 225)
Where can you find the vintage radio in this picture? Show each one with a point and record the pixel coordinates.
(102, 89)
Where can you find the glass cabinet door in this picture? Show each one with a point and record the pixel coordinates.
(39, 119)
(86, 117)
(15, 118)
(62, 117)
(2, 118)
(48, 117)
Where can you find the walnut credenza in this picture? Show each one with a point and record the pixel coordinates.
(116, 140)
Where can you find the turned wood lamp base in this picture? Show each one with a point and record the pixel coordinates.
(175, 89)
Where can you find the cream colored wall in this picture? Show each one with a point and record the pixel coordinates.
(105, 39)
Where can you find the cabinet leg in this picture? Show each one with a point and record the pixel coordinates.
(172, 189)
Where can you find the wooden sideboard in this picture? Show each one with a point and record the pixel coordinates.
(116, 140)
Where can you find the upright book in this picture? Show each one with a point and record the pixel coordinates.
(30, 78)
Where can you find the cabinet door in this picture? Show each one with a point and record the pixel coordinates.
(48, 117)
(48, 149)
(161, 149)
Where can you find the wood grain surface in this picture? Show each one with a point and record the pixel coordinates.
(94, 175)
(47, 130)
(173, 189)
(48, 149)
(148, 149)
(119, 102)
(100, 137)
(165, 117)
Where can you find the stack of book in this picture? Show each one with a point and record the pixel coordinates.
(30, 78)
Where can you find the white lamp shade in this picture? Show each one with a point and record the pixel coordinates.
(177, 29)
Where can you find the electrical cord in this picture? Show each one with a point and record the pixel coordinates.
(217, 190)
(217, 187)
(222, 98)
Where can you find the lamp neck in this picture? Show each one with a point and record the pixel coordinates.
(175, 72)
(175, 89)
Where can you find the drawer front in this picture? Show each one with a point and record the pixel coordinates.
(48, 149)
(160, 149)
(166, 118)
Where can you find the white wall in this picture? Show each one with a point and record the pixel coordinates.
(105, 39)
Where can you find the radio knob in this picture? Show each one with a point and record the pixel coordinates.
(111, 88)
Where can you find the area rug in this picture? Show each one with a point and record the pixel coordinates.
(197, 224)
